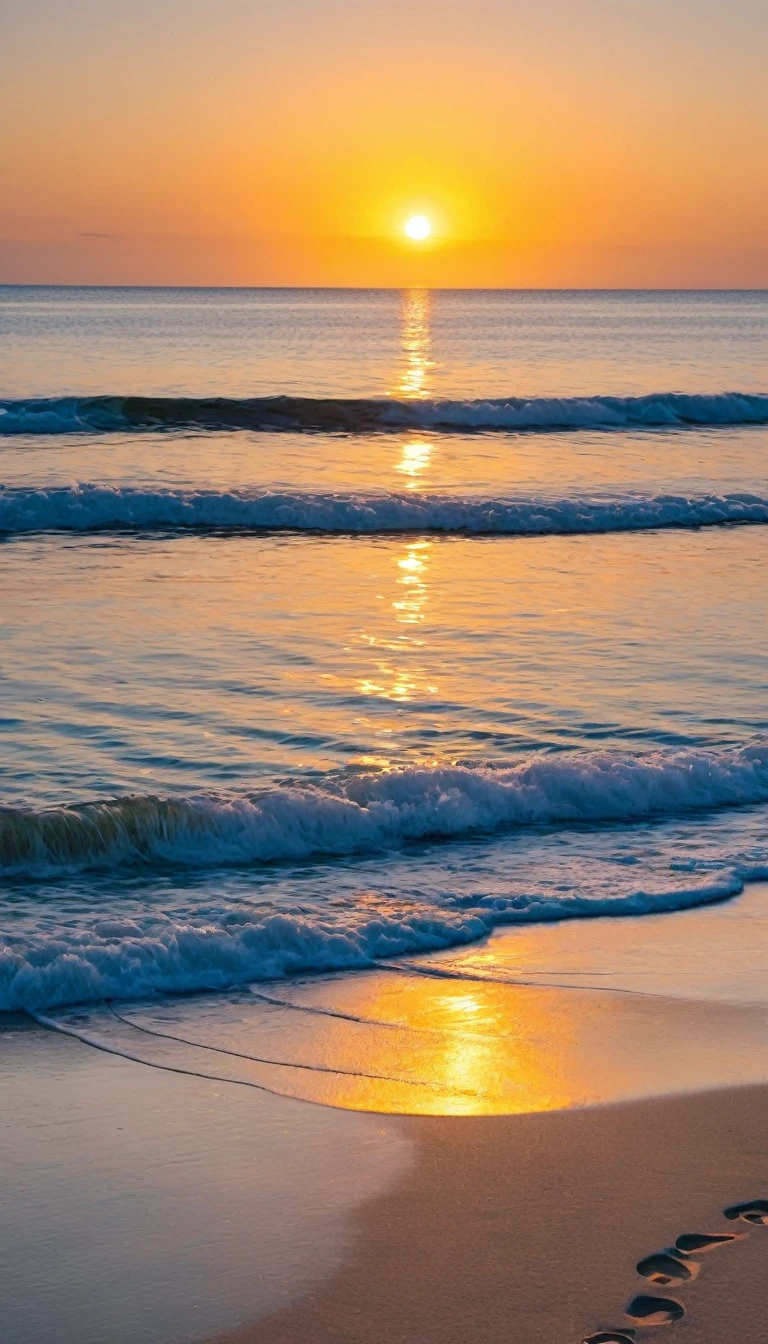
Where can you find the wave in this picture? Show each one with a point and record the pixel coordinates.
(355, 415)
(375, 812)
(138, 958)
(92, 508)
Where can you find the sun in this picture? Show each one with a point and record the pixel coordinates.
(418, 228)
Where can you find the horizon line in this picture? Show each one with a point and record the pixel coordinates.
(396, 289)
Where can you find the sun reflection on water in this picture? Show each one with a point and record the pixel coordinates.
(415, 340)
(409, 608)
(399, 672)
(412, 380)
(414, 462)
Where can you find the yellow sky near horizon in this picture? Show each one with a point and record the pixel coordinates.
(220, 141)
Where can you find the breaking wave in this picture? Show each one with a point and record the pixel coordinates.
(94, 508)
(135, 958)
(75, 415)
(375, 812)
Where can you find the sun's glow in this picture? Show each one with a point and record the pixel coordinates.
(418, 228)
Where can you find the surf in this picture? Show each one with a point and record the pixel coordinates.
(369, 813)
(355, 415)
(88, 508)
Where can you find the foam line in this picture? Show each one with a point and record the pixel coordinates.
(103, 1043)
(275, 1063)
(143, 957)
(86, 508)
(88, 1038)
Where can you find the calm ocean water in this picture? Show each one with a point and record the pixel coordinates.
(344, 625)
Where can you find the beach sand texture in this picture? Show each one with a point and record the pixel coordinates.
(529, 1228)
(184, 1208)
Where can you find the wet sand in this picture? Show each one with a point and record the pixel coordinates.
(529, 1228)
(143, 1207)
(146, 1203)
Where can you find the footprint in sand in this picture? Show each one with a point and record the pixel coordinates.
(665, 1268)
(655, 1310)
(696, 1243)
(754, 1211)
(610, 1337)
(672, 1266)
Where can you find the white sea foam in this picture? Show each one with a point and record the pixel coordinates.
(223, 944)
(72, 415)
(135, 958)
(92, 508)
(374, 812)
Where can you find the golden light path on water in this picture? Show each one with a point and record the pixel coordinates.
(415, 454)
(416, 344)
(398, 675)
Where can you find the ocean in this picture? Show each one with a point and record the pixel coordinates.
(345, 626)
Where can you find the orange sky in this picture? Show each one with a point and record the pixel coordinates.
(555, 142)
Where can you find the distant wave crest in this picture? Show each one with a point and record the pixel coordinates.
(94, 508)
(372, 812)
(352, 415)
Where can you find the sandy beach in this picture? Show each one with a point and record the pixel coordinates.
(529, 1228)
(185, 1208)
(145, 1207)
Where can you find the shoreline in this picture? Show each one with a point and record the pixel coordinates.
(530, 1228)
(551, 1139)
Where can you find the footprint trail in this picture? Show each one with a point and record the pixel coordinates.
(674, 1267)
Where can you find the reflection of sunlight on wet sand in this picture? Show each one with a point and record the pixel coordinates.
(480, 1045)
(398, 1040)
(449, 1047)
(669, 956)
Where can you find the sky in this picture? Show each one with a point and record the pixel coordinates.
(576, 143)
